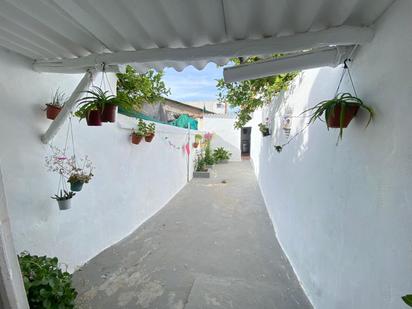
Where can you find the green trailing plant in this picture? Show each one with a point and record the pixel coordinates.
(221, 154)
(249, 95)
(47, 286)
(407, 299)
(96, 99)
(344, 100)
(141, 88)
(63, 195)
(263, 128)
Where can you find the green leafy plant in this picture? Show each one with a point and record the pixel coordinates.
(201, 165)
(58, 99)
(63, 195)
(221, 154)
(344, 101)
(95, 99)
(150, 129)
(141, 88)
(141, 128)
(263, 128)
(407, 299)
(47, 286)
(249, 95)
(209, 159)
(198, 138)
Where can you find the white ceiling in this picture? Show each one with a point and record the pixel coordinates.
(55, 29)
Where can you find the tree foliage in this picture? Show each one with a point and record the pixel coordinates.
(141, 88)
(249, 95)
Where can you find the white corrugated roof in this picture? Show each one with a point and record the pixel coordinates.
(68, 29)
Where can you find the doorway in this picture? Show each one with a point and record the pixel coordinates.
(245, 142)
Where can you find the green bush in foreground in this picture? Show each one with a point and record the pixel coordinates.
(47, 286)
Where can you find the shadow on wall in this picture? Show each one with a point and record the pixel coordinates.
(218, 141)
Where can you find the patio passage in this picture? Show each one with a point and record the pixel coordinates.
(212, 246)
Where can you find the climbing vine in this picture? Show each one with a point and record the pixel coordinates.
(249, 95)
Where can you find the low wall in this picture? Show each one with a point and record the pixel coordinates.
(225, 134)
(343, 213)
(131, 183)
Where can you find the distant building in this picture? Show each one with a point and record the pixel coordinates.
(211, 105)
(169, 110)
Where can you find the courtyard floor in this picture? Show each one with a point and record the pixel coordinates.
(212, 246)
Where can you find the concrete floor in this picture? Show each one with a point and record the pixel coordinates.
(212, 246)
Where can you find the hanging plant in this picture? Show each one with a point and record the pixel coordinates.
(99, 106)
(138, 133)
(81, 173)
(55, 106)
(64, 199)
(150, 132)
(339, 111)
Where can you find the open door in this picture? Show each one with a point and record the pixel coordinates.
(245, 142)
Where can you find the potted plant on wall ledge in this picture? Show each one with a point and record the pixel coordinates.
(138, 133)
(64, 199)
(339, 111)
(198, 139)
(150, 132)
(55, 106)
(264, 129)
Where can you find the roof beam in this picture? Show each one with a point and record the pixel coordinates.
(327, 57)
(340, 36)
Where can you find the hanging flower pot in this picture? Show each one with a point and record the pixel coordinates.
(94, 118)
(348, 114)
(64, 199)
(108, 113)
(148, 138)
(76, 186)
(195, 144)
(52, 111)
(136, 138)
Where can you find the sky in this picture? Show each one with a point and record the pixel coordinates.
(193, 85)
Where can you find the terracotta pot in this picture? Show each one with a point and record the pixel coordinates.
(94, 118)
(52, 111)
(334, 116)
(149, 138)
(109, 113)
(195, 145)
(136, 139)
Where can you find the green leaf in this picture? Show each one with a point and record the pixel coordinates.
(407, 299)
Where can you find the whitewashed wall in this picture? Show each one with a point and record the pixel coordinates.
(343, 213)
(131, 182)
(225, 134)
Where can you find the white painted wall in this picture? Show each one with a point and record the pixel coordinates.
(131, 182)
(225, 134)
(343, 213)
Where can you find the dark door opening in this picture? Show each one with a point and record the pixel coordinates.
(245, 142)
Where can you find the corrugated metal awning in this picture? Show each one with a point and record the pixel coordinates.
(53, 30)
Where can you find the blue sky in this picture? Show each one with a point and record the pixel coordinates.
(193, 85)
